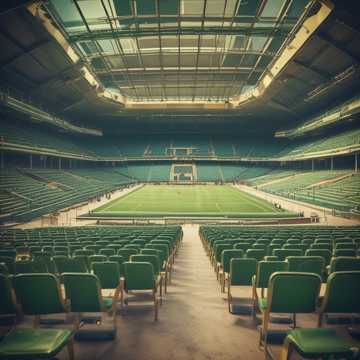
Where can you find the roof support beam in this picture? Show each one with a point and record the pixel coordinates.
(293, 44)
(141, 32)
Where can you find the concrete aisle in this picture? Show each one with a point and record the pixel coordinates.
(194, 322)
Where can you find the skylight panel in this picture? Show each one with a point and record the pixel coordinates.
(272, 8)
(192, 7)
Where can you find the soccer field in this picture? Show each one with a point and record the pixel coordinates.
(189, 200)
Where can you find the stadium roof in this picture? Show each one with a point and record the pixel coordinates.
(155, 50)
(188, 63)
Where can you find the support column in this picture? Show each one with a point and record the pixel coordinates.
(59, 163)
(332, 163)
(312, 164)
(356, 162)
(2, 162)
(69, 163)
(31, 161)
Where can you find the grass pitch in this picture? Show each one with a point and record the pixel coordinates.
(189, 200)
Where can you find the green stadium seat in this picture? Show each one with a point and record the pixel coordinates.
(154, 260)
(257, 254)
(344, 263)
(65, 264)
(84, 294)
(284, 297)
(324, 253)
(282, 254)
(226, 257)
(108, 273)
(345, 252)
(140, 277)
(241, 274)
(311, 264)
(261, 280)
(342, 296)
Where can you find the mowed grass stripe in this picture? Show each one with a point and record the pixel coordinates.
(167, 199)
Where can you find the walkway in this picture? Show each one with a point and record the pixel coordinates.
(193, 321)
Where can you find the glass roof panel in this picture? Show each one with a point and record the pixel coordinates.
(192, 7)
(272, 8)
(123, 7)
(168, 7)
(248, 8)
(145, 7)
(257, 43)
(215, 7)
(182, 49)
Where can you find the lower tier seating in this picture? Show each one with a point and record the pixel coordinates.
(25, 194)
(266, 262)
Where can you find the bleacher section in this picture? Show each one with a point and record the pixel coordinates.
(279, 242)
(159, 172)
(117, 176)
(208, 172)
(343, 195)
(133, 146)
(301, 181)
(338, 190)
(26, 194)
(348, 138)
(39, 138)
(139, 171)
(273, 175)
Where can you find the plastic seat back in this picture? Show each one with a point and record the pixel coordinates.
(242, 271)
(242, 246)
(38, 294)
(311, 264)
(257, 254)
(83, 291)
(325, 254)
(126, 253)
(7, 298)
(139, 276)
(282, 254)
(120, 260)
(9, 262)
(345, 263)
(95, 258)
(84, 252)
(152, 259)
(345, 252)
(342, 293)
(265, 269)
(64, 264)
(285, 297)
(226, 257)
(345, 245)
(108, 273)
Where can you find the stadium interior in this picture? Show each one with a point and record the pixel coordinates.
(179, 179)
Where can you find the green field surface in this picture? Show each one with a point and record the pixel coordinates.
(189, 200)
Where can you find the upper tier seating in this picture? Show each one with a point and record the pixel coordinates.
(111, 147)
(347, 138)
(40, 138)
